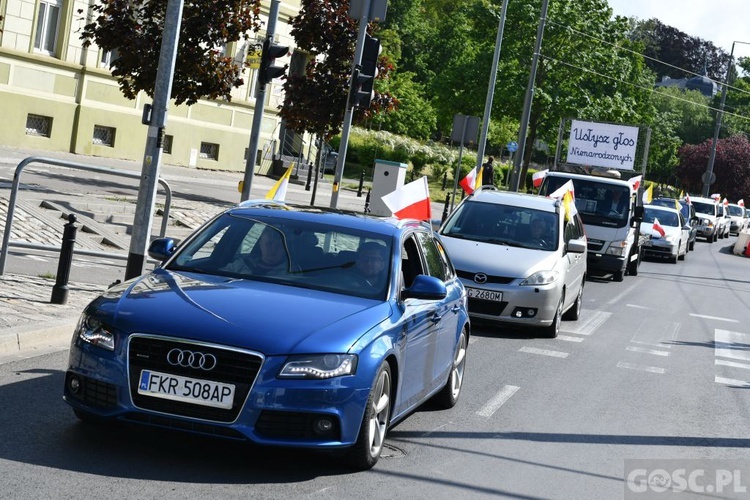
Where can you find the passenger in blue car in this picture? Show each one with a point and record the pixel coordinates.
(270, 256)
(371, 264)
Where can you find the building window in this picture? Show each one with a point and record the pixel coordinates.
(47, 26)
(108, 57)
(209, 151)
(104, 136)
(166, 146)
(38, 125)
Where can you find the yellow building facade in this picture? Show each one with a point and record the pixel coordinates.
(57, 95)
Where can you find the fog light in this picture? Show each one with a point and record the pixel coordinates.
(531, 313)
(74, 385)
(519, 313)
(323, 425)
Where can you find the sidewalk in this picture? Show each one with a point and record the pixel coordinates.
(31, 325)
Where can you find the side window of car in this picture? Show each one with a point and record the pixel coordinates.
(411, 262)
(435, 264)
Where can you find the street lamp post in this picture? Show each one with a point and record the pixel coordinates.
(707, 181)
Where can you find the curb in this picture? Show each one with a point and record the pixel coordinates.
(23, 340)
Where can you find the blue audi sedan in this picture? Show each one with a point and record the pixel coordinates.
(279, 325)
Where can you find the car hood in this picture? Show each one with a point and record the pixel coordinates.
(498, 260)
(270, 318)
(648, 228)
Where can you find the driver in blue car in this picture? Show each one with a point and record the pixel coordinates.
(371, 264)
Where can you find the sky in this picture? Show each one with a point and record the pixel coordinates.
(719, 21)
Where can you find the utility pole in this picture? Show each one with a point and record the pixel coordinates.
(260, 104)
(518, 160)
(156, 118)
(491, 87)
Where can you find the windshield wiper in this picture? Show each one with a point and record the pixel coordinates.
(345, 265)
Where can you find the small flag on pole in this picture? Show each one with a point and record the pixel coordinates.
(657, 228)
(741, 203)
(566, 193)
(648, 194)
(411, 201)
(472, 181)
(538, 177)
(635, 182)
(278, 191)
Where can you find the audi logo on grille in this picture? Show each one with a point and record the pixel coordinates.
(190, 359)
(480, 278)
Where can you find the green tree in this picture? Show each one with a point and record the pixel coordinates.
(414, 117)
(202, 70)
(730, 166)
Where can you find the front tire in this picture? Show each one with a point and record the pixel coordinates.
(448, 395)
(551, 331)
(574, 312)
(366, 451)
(618, 275)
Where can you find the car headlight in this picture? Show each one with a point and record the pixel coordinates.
(541, 278)
(319, 366)
(672, 239)
(706, 222)
(90, 329)
(617, 248)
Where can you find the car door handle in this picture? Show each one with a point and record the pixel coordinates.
(455, 308)
(435, 318)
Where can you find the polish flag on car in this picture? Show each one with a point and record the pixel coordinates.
(716, 196)
(410, 201)
(725, 202)
(472, 181)
(741, 203)
(538, 177)
(657, 228)
(635, 182)
(687, 199)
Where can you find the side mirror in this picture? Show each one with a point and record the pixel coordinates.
(425, 288)
(577, 246)
(638, 213)
(161, 249)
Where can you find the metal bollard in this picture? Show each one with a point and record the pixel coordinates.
(361, 183)
(60, 289)
(309, 176)
(367, 202)
(445, 180)
(445, 209)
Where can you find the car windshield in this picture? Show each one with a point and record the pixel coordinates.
(291, 252)
(504, 225)
(670, 202)
(598, 203)
(736, 210)
(704, 208)
(669, 219)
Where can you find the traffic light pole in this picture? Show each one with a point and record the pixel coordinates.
(260, 104)
(364, 19)
(144, 208)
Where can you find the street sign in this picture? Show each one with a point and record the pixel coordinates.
(512, 146)
(705, 180)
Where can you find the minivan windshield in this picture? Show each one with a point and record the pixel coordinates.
(504, 225)
(705, 208)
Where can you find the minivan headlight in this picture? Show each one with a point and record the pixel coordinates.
(541, 278)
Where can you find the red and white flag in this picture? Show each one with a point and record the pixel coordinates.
(472, 181)
(741, 203)
(725, 202)
(635, 182)
(687, 199)
(566, 193)
(410, 201)
(657, 228)
(538, 177)
(716, 196)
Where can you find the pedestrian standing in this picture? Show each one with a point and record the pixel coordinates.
(488, 172)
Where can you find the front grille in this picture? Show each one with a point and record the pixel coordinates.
(294, 425)
(504, 280)
(595, 245)
(489, 307)
(92, 392)
(239, 368)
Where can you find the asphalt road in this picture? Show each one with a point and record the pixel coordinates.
(657, 368)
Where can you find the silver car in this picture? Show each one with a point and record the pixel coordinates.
(521, 259)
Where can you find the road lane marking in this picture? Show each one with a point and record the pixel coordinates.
(647, 351)
(569, 339)
(731, 381)
(499, 400)
(703, 316)
(618, 298)
(731, 363)
(733, 345)
(544, 352)
(643, 368)
(635, 306)
(589, 325)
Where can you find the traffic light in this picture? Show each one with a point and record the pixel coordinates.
(268, 71)
(364, 75)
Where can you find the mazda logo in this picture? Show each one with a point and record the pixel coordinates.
(190, 359)
(480, 278)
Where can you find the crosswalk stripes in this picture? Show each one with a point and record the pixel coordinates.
(731, 357)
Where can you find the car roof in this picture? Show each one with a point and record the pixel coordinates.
(703, 200)
(342, 218)
(592, 178)
(524, 200)
(662, 208)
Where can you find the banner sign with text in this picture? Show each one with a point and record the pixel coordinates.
(602, 145)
